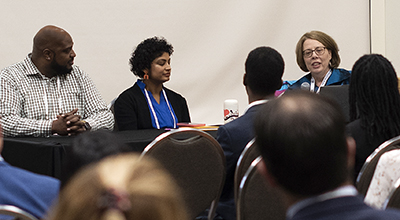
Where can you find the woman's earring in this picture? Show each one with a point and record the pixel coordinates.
(146, 76)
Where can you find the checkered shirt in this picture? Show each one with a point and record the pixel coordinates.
(30, 102)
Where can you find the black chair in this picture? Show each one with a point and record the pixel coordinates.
(367, 171)
(17, 213)
(111, 107)
(257, 200)
(196, 161)
(249, 154)
(393, 199)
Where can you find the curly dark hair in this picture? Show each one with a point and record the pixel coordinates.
(147, 51)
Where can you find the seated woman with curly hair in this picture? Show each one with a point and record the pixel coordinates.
(148, 104)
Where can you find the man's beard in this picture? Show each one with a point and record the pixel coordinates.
(59, 69)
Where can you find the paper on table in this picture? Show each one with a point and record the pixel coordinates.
(200, 126)
(181, 124)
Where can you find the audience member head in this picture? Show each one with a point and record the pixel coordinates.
(264, 69)
(120, 187)
(374, 96)
(146, 52)
(90, 147)
(52, 51)
(327, 41)
(302, 140)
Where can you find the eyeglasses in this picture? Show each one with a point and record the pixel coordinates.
(318, 50)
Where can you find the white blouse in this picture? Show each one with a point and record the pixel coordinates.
(386, 174)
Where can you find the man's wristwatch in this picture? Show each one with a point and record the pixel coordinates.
(86, 125)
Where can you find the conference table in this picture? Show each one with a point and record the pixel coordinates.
(44, 155)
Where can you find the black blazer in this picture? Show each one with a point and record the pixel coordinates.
(131, 110)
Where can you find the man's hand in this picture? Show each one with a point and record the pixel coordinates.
(68, 123)
(74, 123)
(59, 126)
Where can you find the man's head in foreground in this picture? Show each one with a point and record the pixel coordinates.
(303, 143)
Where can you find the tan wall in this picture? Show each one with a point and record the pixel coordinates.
(211, 39)
(392, 32)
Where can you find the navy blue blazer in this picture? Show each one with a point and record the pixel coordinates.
(344, 208)
(233, 138)
(31, 192)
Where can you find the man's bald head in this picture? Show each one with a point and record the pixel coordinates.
(52, 51)
(49, 37)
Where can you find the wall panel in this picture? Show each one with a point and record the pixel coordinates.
(211, 39)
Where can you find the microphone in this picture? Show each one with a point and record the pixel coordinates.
(305, 86)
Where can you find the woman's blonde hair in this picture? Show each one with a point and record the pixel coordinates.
(121, 187)
(324, 39)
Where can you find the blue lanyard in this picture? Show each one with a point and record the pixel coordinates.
(152, 108)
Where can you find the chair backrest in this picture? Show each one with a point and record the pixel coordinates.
(367, 171)
(257, 200)
(249, 154)
(196, 161)
(111, 107)
(393, 199)
(17, 213)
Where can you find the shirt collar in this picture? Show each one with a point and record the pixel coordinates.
(1, 159)
(258, 102)
(30, 66)
(339, 192)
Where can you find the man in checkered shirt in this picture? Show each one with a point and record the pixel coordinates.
(46, 94)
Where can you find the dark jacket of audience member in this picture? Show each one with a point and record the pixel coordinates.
(264, 69)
